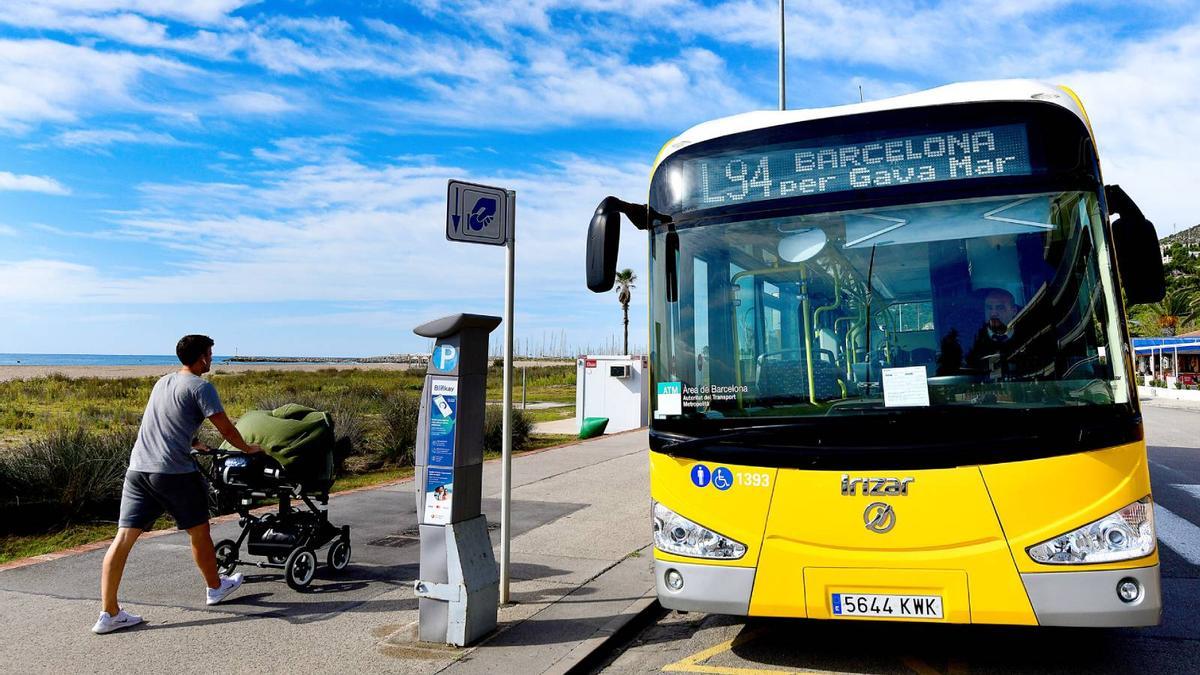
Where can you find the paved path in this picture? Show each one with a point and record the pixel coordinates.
(579, 520)
(567, 426)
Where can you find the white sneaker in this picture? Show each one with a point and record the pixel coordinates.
(107, 623)
(228, 585)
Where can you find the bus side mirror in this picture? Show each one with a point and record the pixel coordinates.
(604, 237)
(1139, 258)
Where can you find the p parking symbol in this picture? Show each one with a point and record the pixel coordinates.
(445, 357)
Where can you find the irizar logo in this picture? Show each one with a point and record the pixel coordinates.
(879, 517)
(896, 487)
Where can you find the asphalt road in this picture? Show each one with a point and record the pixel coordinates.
(704, 643)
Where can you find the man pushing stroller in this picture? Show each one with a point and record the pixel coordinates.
(163, 477)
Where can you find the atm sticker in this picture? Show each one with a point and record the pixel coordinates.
(670, 399)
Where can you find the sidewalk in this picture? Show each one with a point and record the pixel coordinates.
(1182, 400)
(567, 426)
(581, 567)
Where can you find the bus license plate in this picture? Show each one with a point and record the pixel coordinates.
(896, 606)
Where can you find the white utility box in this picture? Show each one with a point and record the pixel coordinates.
(616, 387)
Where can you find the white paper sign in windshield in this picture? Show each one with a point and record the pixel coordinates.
(822, 168)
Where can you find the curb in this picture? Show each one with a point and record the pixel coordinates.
(588, 654)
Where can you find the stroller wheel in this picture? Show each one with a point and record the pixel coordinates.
(227, 553)
(338, 556)
(300, 567)
(277, 559)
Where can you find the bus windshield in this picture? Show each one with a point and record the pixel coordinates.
(985, 302)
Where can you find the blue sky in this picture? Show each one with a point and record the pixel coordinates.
(274, 173)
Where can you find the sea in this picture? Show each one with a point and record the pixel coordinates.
(94, 360)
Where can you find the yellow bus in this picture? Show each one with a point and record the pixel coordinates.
(891, 377)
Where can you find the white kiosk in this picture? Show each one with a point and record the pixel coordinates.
(616, 387)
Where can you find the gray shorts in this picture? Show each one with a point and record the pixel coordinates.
(147, 495)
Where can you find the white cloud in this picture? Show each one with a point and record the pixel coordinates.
(20, 183)
(105, 137)
(7, 230)
(304, 149)
(1143, 110)
(560, 87)
(43, 280)
(44, 80)
(59, 14)
(255, 103)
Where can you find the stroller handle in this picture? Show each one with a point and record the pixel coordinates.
(213, 452)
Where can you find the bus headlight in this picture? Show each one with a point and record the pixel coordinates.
(675, 534)
(1124, 535)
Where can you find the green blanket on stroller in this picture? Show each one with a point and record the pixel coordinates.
(299, 438)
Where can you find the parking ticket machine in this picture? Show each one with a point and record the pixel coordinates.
(458, 586)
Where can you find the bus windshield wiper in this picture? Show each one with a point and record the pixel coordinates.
(741, 432)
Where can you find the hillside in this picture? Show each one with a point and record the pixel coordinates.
(1188, 238)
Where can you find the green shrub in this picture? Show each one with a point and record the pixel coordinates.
(65, 475)
(493, 429)
(398, 436)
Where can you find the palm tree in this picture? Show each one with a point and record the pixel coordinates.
(624, 284)
(1174, 311)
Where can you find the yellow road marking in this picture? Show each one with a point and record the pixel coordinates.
(692, 664)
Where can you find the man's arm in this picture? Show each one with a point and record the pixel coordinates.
(231, 434)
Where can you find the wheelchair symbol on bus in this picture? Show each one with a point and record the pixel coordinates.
(720, 478)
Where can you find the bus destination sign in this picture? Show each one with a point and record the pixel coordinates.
(748, 176)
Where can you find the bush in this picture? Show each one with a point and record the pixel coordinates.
(493, 429)
(399, 434)
(63, 476)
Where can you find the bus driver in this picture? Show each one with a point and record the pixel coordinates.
(999, 309)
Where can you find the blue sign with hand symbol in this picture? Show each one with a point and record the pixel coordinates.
(478, 214)
(482, 213)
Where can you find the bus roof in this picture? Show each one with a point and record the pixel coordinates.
(963, 92)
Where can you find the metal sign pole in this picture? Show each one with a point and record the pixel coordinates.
(782, 65)
(506, 452)
(483, 214)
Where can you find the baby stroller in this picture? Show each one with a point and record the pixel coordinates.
(297, 464)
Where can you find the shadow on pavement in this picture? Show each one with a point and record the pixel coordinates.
(877, 647)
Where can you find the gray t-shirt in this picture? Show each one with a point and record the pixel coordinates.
(178, 406)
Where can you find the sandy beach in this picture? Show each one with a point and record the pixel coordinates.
(27, 372)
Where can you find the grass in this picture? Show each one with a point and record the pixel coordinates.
(369, 478)
(104, 404)
(15, 547)
(551, 414)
